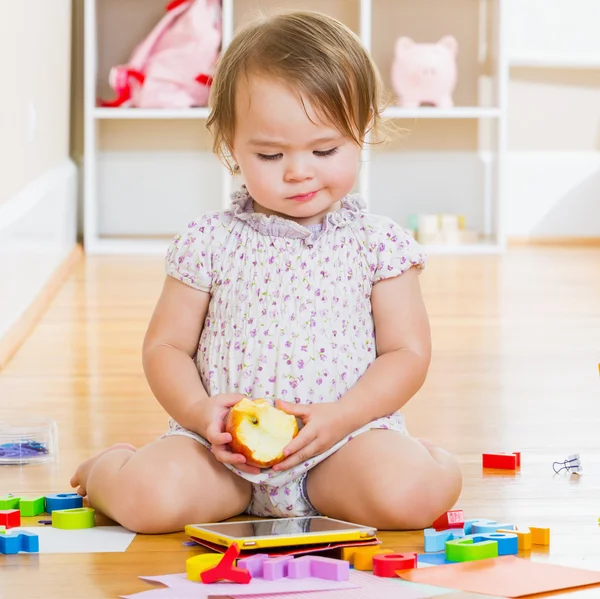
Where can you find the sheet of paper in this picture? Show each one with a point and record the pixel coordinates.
(100, 539)
(507, 576)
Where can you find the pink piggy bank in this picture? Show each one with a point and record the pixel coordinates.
(425, 73)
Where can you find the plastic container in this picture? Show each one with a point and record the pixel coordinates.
(28, 442)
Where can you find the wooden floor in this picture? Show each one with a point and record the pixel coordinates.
(515, 368)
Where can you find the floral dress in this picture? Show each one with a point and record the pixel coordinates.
(290, 314)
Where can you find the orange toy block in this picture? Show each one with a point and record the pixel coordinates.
(523, 538)
(540, 536)
(363, 558)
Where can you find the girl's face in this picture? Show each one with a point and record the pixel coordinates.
(292, 165)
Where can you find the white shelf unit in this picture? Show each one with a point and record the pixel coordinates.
(482, 105)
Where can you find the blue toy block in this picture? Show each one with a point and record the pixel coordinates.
(483, 526)
(64, 501)
(16, 541)
(435, 559)
(468, 528)
(434, 540)
(507, 544)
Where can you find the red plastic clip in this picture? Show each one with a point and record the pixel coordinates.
(225, 570)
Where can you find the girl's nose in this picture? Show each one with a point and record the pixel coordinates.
(298, 170)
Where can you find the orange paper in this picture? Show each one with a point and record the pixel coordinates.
(508, 576)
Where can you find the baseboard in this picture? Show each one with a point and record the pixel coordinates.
(20, 330)
(38, 246)
(554, 241)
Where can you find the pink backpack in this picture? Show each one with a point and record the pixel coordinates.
(173, 66)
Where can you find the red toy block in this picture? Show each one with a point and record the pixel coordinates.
(502, 461)
(386, 565)
(225, 570)
(451, 519)
(10, 518)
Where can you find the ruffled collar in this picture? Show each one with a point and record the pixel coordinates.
(242, 207)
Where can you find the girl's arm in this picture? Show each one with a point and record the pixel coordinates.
(169, 349)
(403, 343)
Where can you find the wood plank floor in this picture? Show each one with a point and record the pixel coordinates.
(515, 368)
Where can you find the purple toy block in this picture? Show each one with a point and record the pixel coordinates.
(254, 564)
(300, 567)
(276, 567)
(329, 568)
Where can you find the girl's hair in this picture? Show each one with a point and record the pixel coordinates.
(316, 54)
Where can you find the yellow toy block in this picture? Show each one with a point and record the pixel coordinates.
(523, 538)
(540, 536)
(363, 558)
(194, 566)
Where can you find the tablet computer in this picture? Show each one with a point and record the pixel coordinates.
(280, 532)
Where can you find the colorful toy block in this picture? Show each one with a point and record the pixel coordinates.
(277, 567)
(523, 537)
(300, 567)
(451, 519)
(508, 544)
(385, 566)
(2, 530)
(254, 564)
(434, 541)
(225, 570)
(435, 559)
(328, 568)
(63, 501)
(470, 549)
(540, 536)
(32, 506)
(349, 552)
(16, 541)
(10, 518)
(502, 461)
(482, 526)
(363, 560)
(194, 566)
(9, 502)
(73, 519)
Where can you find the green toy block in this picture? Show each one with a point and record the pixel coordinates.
(77, 517)
(465, 550)
(32, 506)
(9, 502)
(2, 530)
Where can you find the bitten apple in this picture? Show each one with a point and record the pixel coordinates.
(260, 432)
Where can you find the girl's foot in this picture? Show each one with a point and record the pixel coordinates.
(79, 479)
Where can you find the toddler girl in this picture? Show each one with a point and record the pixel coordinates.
(295, 294)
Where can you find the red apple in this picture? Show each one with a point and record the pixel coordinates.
(260, 432)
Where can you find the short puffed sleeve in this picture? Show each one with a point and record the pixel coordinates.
(190, 255)
(392, 250)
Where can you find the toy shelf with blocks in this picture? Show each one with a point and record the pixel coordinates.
(149, 171)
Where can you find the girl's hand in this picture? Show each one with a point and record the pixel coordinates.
(213, 416)
(324, 426)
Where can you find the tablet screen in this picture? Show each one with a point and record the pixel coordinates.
(284, 526)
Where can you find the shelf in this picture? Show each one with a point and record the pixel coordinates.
(431, 112)
(556, 62)
(151, 113)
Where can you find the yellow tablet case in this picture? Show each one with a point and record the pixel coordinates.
(281, 539)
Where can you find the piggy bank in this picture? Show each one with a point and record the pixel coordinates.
(425, 73)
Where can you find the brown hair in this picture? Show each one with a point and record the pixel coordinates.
(319, 56)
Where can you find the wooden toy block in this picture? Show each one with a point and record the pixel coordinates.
(225, 570)
(469, 549)
(482, 526)
(10, 518)
(540, 536)
(62, 501)
(254, 564)
(73, 519)
(385, 566)
(434, 541)
(363, 559)
(9, 502)
(523, 537)
(194, 566)
(349, 552)
(330, 569)
(502, 461)
(32, 506)
(16, 541)
(451, 519)
(508, 544)
(277, 567)
(468, 529)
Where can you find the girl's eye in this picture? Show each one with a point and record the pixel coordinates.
(269, 156)
(326, 152)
